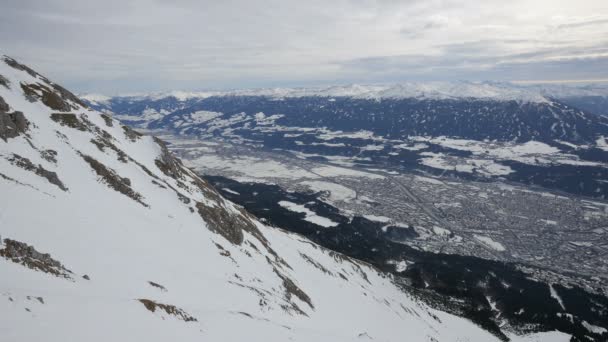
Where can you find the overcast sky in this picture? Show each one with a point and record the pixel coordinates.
(118, 46)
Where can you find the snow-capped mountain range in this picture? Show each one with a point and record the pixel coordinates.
(489, 90)
(106, 236)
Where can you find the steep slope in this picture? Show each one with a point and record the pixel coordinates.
(140, 248)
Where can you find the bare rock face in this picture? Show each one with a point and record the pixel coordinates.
(167, 163)
(11, 124)
(53, 95)
(4, 82)
(69, 120)
(113, 180)
(27, 164)
(3, 106)
(28, 256)
(169, 309)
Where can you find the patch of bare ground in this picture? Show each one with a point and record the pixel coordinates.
(107, 119)
(69, 120)
(4, 82)
(12, 124)
(49, 155)
(316, 264)
(28, 256)
(26, 164)
(4, 107)
(220, 221)
(131, 134)
(113, 180)
(291, 289)
(152, 306)
(38, 91)
(62, 93)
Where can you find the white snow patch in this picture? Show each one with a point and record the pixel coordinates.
(378, 218)
(334, 171)
(311, 216)
(487, 241)
(336, 192)
(556, 296)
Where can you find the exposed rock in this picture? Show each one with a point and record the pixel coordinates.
(4, 82)
(107, 119)
(86, 277)
(28, 256)
(102, 143)
(169, 309)
(69, 120)
(131, 134)
(113, 180)
(49, 155)
(12, 124)
(16, 65)
(38, 91)
(220, 221)
(26, 164)
(291, 289)
(4, 107)
(315, 264)
(167, 163)
(63, 94)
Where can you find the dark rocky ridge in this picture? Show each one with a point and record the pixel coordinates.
(28, 256)
(39, 170)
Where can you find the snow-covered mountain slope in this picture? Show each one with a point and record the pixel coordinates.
(140, 248)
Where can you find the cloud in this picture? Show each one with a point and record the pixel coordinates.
(117, 46)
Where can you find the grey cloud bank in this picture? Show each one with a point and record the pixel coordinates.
(145, 45)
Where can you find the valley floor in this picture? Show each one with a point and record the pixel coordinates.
(492, 220)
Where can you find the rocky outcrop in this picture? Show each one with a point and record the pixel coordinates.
(169, 309)
(11, 124)
(113, 180)
(28, 256)
(4, 82)
(51, 94)
(131, 134)
(39, 91)
(69, 120)
(39, 170)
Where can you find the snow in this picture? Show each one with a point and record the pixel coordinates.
(547, 336)
(468, 165)
(487, 241)
(556, 296)
(490, 153)
(336, 191)
(96, 98)
(594, 328)
(602, 143)
(334, 171)
(378, 218)
(441, 231)
(419, 90)
(202, 116)
(311, 216)
(400, 266)
(414, 147)
(250, 167)
(230, 191)
(549, 222)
